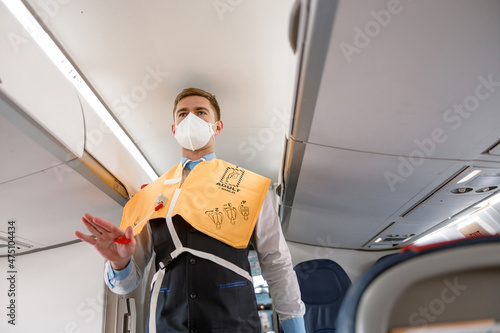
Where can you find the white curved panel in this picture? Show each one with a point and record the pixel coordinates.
(347, 196)
(100, 141)
(63, 197)
(420, 80)
(34, 83)
(20, 154)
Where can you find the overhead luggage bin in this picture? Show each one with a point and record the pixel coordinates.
(33, 82)
(395, 103)
(47, 179)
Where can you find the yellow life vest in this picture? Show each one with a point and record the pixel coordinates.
(217, 198)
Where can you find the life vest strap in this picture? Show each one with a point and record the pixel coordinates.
(157, 280)
(170, 224)
(171, 181)
(179, 248)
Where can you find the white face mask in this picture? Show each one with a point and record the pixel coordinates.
(193, 132)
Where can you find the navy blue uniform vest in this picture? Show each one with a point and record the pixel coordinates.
(198, 295)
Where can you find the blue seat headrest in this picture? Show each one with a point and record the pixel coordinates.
(323, 285)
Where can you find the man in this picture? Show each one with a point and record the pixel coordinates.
(199, 219)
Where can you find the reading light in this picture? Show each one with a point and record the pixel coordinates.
(469, 176)
(30, 24)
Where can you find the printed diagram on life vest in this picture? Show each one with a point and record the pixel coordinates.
(231, 179)
(216, 217)
(230, 212)
(244, 210)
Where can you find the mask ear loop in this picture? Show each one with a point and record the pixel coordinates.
(213, 134)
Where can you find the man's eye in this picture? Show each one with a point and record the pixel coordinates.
(202, 113)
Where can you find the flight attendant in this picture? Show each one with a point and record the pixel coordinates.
(199, 219)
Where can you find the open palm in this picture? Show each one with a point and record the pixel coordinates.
(105, 233)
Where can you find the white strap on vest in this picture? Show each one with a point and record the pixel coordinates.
(157, 280)
(171, 181)
(179, 248)
(220, 261)
(170, 224)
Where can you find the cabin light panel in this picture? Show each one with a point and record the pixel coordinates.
(469, 176)
(31, 25)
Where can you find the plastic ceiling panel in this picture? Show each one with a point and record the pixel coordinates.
(456, 195)
(361, 182)
(485, 215)
(51, 216)
(412, 87)
(100, 141)
(398, 233)
(348, 193)
(392, 121)
(33, 82)
(21, 155)
(492, 216)
(45, 195)
(495, 150)
(328, 229)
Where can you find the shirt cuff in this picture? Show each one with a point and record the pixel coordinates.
(294, 325)
(113, 275)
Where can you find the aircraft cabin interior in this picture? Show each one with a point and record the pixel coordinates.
(377, 122)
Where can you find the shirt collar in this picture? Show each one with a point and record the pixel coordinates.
(191, 164)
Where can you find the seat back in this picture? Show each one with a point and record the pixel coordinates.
(444, 283)
(323, 285)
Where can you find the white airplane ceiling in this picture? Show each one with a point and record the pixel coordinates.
(138, 55)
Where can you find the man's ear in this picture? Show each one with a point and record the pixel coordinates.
(173, 129)
(218, 127)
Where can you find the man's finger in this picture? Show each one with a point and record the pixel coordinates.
(105, 225)
(91, 227)
(91, 240)
(129, 233)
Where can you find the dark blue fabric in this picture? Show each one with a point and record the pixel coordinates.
(198, 294)
(323, 285)
(386, 257)
(348, 309)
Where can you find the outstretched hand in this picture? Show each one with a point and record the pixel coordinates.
(105, 233)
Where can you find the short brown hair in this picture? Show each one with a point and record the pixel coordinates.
(199, 92)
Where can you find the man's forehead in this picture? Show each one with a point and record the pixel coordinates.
(194, 103)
